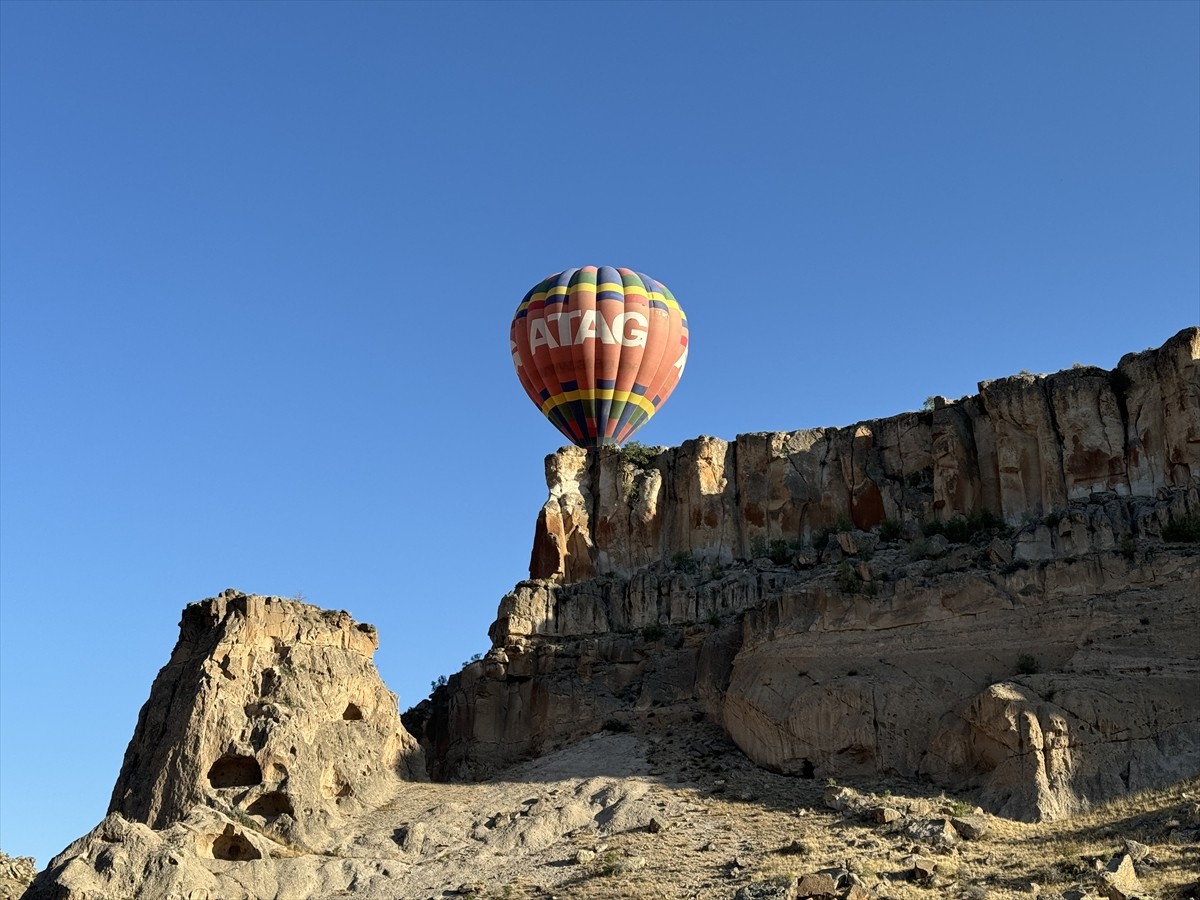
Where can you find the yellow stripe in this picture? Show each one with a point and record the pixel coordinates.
(598, 394)
(609, 286)
(671, 302)
(540, 296)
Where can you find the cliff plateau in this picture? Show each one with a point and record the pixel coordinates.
(996, 598)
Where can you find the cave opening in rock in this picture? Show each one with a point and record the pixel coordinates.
(232, 845)
(235, 771)
(352, 713)
(276, 803)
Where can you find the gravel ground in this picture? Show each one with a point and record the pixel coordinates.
(684, 814)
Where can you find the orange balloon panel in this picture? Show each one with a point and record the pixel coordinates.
(599, 350)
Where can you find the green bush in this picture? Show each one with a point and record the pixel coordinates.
(639, 455)
(653, 632)
(684, 562)
(612, 864)
(1184, 530)
(847, 579)
(889, 530)
(780, 551)
(962, 529)
(918, 549)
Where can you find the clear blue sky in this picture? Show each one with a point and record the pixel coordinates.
(258, 263)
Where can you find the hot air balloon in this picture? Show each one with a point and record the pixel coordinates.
(598, 350)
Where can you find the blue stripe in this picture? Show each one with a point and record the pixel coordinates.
(626, 414)
(639, 389)
(570, 386)
(545, 395)
(605, 385)
(610, 295)
(659, 304)
(637, 420)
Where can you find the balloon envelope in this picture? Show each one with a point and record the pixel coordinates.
(598, 350)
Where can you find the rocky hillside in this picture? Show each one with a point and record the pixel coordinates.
(990, 595)
(953, 651)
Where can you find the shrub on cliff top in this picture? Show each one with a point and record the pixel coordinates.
(639, 455)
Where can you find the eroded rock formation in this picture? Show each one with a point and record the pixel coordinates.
(269, 708)
(266, 734)
(990, 602)
(15, 874)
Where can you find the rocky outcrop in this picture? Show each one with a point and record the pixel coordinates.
(265, 735)
(1024, 447)
(1045, 690)
(269, 708)
(15, 874)
(979, 594)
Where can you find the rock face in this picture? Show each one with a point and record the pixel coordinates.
(269, 708)
(980, 595)
(15, 874)
(1025, 446)
(266, 733)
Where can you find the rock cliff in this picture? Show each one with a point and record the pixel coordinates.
(983, 594)
(1023, 448)
(997, 596)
